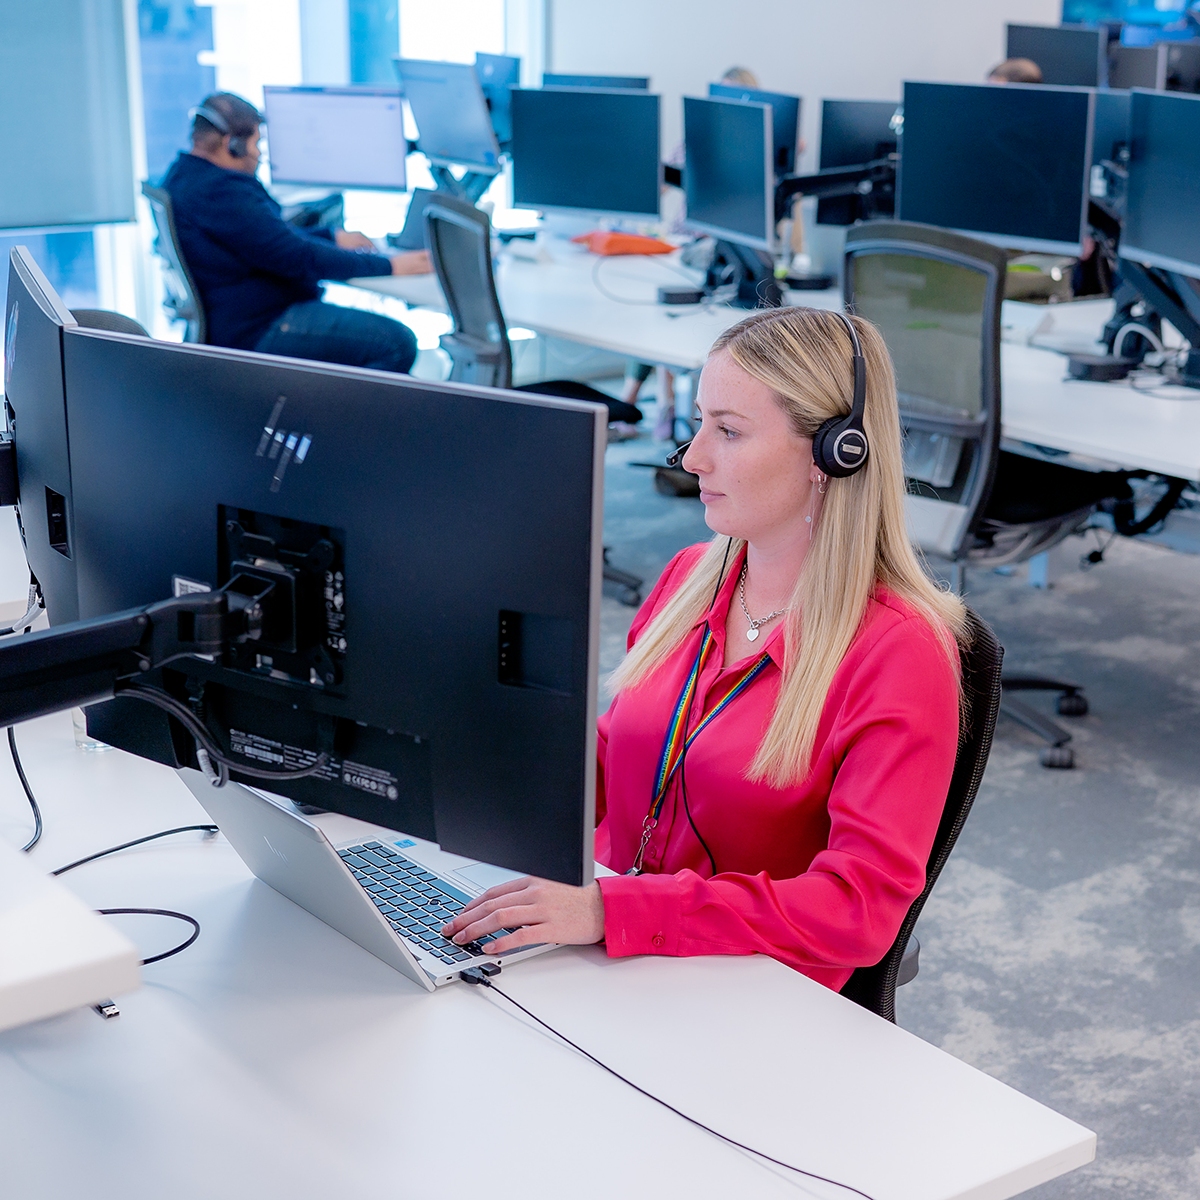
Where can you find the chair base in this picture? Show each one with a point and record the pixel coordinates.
(1057, 754)
(631, 585)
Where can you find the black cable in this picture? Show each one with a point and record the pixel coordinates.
(158, 912)
(206, 741)
(79, 862)
(478, 977)
(33, 804)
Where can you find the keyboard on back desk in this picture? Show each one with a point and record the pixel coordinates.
(415, 901)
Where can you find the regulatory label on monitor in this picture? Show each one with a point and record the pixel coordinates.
(279, 755)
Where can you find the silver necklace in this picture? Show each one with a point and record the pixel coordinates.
(752, 632)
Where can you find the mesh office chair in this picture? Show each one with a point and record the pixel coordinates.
(182, 300)
(100, 318)
(875, 987)
(459, 237)
(936, 296)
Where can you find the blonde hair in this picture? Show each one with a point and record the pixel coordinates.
(741, 77)
(804, 356)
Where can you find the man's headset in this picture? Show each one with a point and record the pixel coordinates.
(840, 446)
(237, 141)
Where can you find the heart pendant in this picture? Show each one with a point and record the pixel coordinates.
(751, 635)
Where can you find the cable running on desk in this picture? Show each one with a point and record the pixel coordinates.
(33, 804)
(476, 976)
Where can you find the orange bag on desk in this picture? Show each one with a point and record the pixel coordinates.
(606, 242)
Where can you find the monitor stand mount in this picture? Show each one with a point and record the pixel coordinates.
(470, 187)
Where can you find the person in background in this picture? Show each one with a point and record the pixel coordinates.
(259, 278)
(1015, 70)
(638, 373)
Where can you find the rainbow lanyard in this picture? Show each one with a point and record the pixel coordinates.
(677, 740)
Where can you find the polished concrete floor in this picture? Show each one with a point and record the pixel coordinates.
(1061, 947)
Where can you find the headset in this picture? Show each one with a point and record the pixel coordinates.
(840, 446)
(237, 141)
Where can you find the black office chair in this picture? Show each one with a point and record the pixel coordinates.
(182, 300)
(936, 296)
(875, 987)
(459, 237)
(100, 318)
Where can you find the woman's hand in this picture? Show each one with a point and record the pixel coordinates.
(545, 912)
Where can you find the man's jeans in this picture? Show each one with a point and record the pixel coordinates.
(328, 333)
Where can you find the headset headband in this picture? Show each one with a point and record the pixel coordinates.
(214, 118)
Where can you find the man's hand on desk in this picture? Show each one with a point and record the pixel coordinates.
(412, 262)
(353, 241)
(545, 911)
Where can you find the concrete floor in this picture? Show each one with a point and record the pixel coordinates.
(1061, 947)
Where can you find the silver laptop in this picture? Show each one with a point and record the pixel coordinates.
(389, 893)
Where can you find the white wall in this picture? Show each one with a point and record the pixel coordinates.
(835, 49)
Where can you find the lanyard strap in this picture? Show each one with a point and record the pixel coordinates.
(677, 741)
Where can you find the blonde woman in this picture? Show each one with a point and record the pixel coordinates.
(776, 759)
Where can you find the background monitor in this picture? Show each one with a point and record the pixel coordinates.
(1183, 66)
(590, 150)
(1138, 66)
(1147, 13)
(1162, 202)
(785, 120)
(635, 82)
(350, 137)
(1111, 125)
(454, 127)
(728, 176)
(1009, 163)
(34, 321)
(852, 132)
(1071, 55)
(498, 74)
(445, 586)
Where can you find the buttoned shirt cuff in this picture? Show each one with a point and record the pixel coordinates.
(641, 914)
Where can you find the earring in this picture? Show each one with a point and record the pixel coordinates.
(822, 480)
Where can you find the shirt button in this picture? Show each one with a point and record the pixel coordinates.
(658, 940)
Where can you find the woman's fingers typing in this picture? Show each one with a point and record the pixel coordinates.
(537, 910)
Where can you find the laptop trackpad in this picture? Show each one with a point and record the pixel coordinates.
(484, 875)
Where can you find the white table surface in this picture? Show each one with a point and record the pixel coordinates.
(1110, 424)
(275, 1058)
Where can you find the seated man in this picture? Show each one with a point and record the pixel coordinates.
(259, 277)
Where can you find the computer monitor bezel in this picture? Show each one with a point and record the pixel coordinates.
(723, 233)
(1127, 249)
(439, 160)
(1017, 242)
(592, 211)
(607, 83)
(748, 95)
(341, 90)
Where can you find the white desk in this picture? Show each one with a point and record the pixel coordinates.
(276, 1059)
(1108, 424)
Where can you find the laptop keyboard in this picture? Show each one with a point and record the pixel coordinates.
(415, 901)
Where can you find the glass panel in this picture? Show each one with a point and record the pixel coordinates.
(931, 316)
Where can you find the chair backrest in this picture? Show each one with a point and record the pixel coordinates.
(875, 987)
(936, 296)
(183, 297)
(100, 318)
(459, 237)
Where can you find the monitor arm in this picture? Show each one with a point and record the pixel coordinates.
(89, 661)
(858, 180)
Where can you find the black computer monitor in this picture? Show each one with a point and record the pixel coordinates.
(433, 629)
(635, 82)
(1183, 66)
(1070, 55)
(498, 75)
(1162, 208)
(34, 321)
(785, 119)
(853, 132)
(1008, 163)
(1111, 125)
(344, 137)
(728, 176)
(1138, 66)
(587, 150)
(454, 127)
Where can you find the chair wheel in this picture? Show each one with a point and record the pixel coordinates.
(630, 597)
(1072, 705)
(1060, 758)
